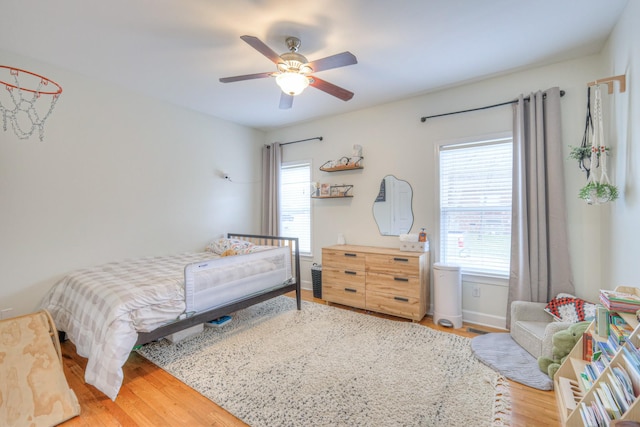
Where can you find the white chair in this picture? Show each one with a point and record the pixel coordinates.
(532, 327)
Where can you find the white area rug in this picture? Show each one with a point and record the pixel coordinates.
(275, 366)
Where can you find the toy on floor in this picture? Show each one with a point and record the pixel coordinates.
(220, 321)
(563, 341)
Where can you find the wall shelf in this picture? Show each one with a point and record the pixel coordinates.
(327, 191)
(343, 164)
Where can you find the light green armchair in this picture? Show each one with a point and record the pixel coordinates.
(532, 327)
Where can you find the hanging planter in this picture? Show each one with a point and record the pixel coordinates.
(583, 153)
(595, 193)
(598, 189)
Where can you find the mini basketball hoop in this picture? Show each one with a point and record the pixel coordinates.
(19, 102)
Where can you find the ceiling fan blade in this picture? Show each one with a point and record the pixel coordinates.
(286, 101)
(331, 89)
(245, 77)
(258, 45)
(333, 61)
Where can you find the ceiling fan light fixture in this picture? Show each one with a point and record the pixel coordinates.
(292, 83)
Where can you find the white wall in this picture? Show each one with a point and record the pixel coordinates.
(623, 233)
(396, 142)
(118, 175)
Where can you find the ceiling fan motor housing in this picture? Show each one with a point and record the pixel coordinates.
(294, 62)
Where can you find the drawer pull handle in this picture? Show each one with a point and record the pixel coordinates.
(350, 290)
(350, 272)
(401, 259)
(348, 254)
(401, 279)
(401, 299)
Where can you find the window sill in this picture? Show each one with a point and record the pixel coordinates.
(490, 279)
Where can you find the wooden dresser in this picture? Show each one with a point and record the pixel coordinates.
(383, 280)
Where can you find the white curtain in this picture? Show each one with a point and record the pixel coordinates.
(540, 266)
(271, 162)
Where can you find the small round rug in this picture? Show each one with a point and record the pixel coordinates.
(500, 352)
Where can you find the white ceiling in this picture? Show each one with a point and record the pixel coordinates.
(176, 50)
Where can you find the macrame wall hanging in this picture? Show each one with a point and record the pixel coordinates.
(593, 152)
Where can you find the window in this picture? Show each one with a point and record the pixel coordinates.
(295, 203)
(475, 205)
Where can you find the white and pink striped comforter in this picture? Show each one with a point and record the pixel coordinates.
(103, 308)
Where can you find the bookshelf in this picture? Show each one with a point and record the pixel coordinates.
(575, 393)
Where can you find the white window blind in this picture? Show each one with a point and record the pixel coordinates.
(295, 204)
(475, 205)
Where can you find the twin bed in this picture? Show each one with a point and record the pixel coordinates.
(107, 310)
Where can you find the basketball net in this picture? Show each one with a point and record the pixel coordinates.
(19, 104)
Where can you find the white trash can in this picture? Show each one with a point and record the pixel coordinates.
(447, 295)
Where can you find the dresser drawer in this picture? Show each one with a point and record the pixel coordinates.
(343, 260)
(332, 276)
(396, 305)
(396, 284)
(394, 264)
(351, 295)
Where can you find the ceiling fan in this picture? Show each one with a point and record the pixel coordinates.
(294, 71)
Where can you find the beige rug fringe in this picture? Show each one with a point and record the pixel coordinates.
(502, 403)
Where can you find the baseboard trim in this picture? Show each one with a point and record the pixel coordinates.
(484, 319)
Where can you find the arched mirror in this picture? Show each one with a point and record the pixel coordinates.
(392, 207)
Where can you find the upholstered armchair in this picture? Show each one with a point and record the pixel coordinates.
(532, 327)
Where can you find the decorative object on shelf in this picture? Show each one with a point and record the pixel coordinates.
(328, 191)
(345, 162)
(315, 189)
(19, 108)
(412, 243)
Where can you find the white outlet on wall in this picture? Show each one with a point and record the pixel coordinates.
(475, 291)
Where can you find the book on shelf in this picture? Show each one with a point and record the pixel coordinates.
(623, 381)
(602, 321)
(588, 415)
(600, 410)
(608, 401)
(618, 333)
(633, 370)
(620, 301)
(587, 346)
(586, 380)
(606, 350)
(618, 395)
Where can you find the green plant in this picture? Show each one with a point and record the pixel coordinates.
(581, 153)
(596, 192)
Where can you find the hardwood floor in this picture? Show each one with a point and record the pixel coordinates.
(151, 397)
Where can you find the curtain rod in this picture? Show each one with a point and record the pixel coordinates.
(526, 98)
(319, 138)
